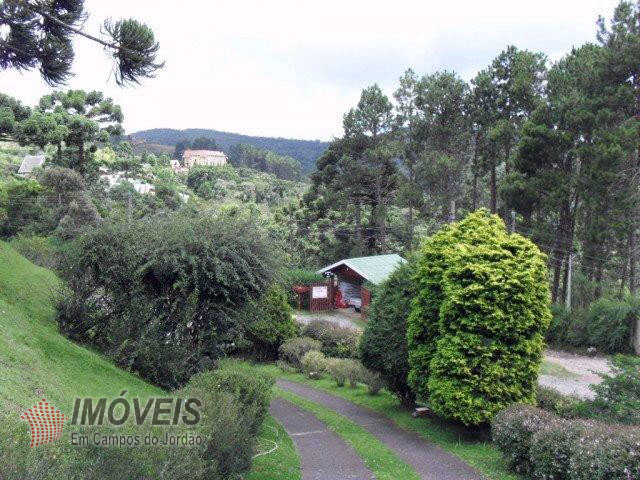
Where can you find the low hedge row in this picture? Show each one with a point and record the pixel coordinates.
(337, 341)
(541, 445)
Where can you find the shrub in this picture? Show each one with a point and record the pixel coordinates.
(293, 350)
(285, 367)
(373, 381)
(250, 388)
(558, 331)
(383, 347)
(618, 395)
(512, 430)
(337, 341)
(609, 324)
(160, 296)
(354, 371)
(270, 323)
(551, 449)
(490, 293)
(606, 325)
(344, 370)
(338, 371)
(552, 401)
(606, 452)
(543, 446)
(314, 364)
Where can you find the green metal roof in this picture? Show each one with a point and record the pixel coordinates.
(375, 269)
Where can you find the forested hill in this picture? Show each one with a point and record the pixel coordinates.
(306, 151)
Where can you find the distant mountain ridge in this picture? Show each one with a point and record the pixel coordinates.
(305, 151)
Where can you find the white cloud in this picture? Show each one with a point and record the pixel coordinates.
(291, 68)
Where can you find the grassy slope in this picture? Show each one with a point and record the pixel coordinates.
(33, 355)
(481, 455)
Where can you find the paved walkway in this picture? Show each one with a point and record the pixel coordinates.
(323, 454)
(428, 460)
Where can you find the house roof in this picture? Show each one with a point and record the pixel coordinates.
(200, 153)
(30, 162)
(375, 269)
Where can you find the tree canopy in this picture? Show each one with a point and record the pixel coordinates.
(39, 35)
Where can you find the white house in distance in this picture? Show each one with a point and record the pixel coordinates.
(190, 158)
(29, 162)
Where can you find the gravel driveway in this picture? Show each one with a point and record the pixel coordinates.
(583, 373)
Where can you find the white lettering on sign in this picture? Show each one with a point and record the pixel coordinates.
(319, 292)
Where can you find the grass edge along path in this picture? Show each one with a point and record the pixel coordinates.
(481, 455)
(277, 457)
(377, 457)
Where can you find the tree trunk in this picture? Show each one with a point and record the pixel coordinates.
(632, 256)
(410, 220)
(558, 260)
(494, 192)
(358, 215)
(81, 157)
(474, 199)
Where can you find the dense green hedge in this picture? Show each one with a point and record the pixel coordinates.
(476, 327)
(383, 347)
(543, 446)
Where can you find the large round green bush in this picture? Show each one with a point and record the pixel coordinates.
(383, 347)
(161, 296)
(492, 307)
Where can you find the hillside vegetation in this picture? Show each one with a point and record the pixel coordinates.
(306, 151)
(33, 355)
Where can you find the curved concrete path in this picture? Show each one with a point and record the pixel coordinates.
(323, 454)
(427, 459)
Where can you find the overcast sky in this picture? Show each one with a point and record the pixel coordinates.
(292, 68)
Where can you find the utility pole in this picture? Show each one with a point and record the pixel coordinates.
(452, 211)
(567, 303)
(513, 221)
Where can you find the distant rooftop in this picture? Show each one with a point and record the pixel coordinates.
(188, 153)
(30, 162)
(375, 268)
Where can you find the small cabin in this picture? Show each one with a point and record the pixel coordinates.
(351, 275)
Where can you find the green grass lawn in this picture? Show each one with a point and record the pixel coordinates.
(33, 355)
(550, 368)
(277, 458)
(379, 458)
(472, 448)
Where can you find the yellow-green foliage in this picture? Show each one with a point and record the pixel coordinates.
(476, 328)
